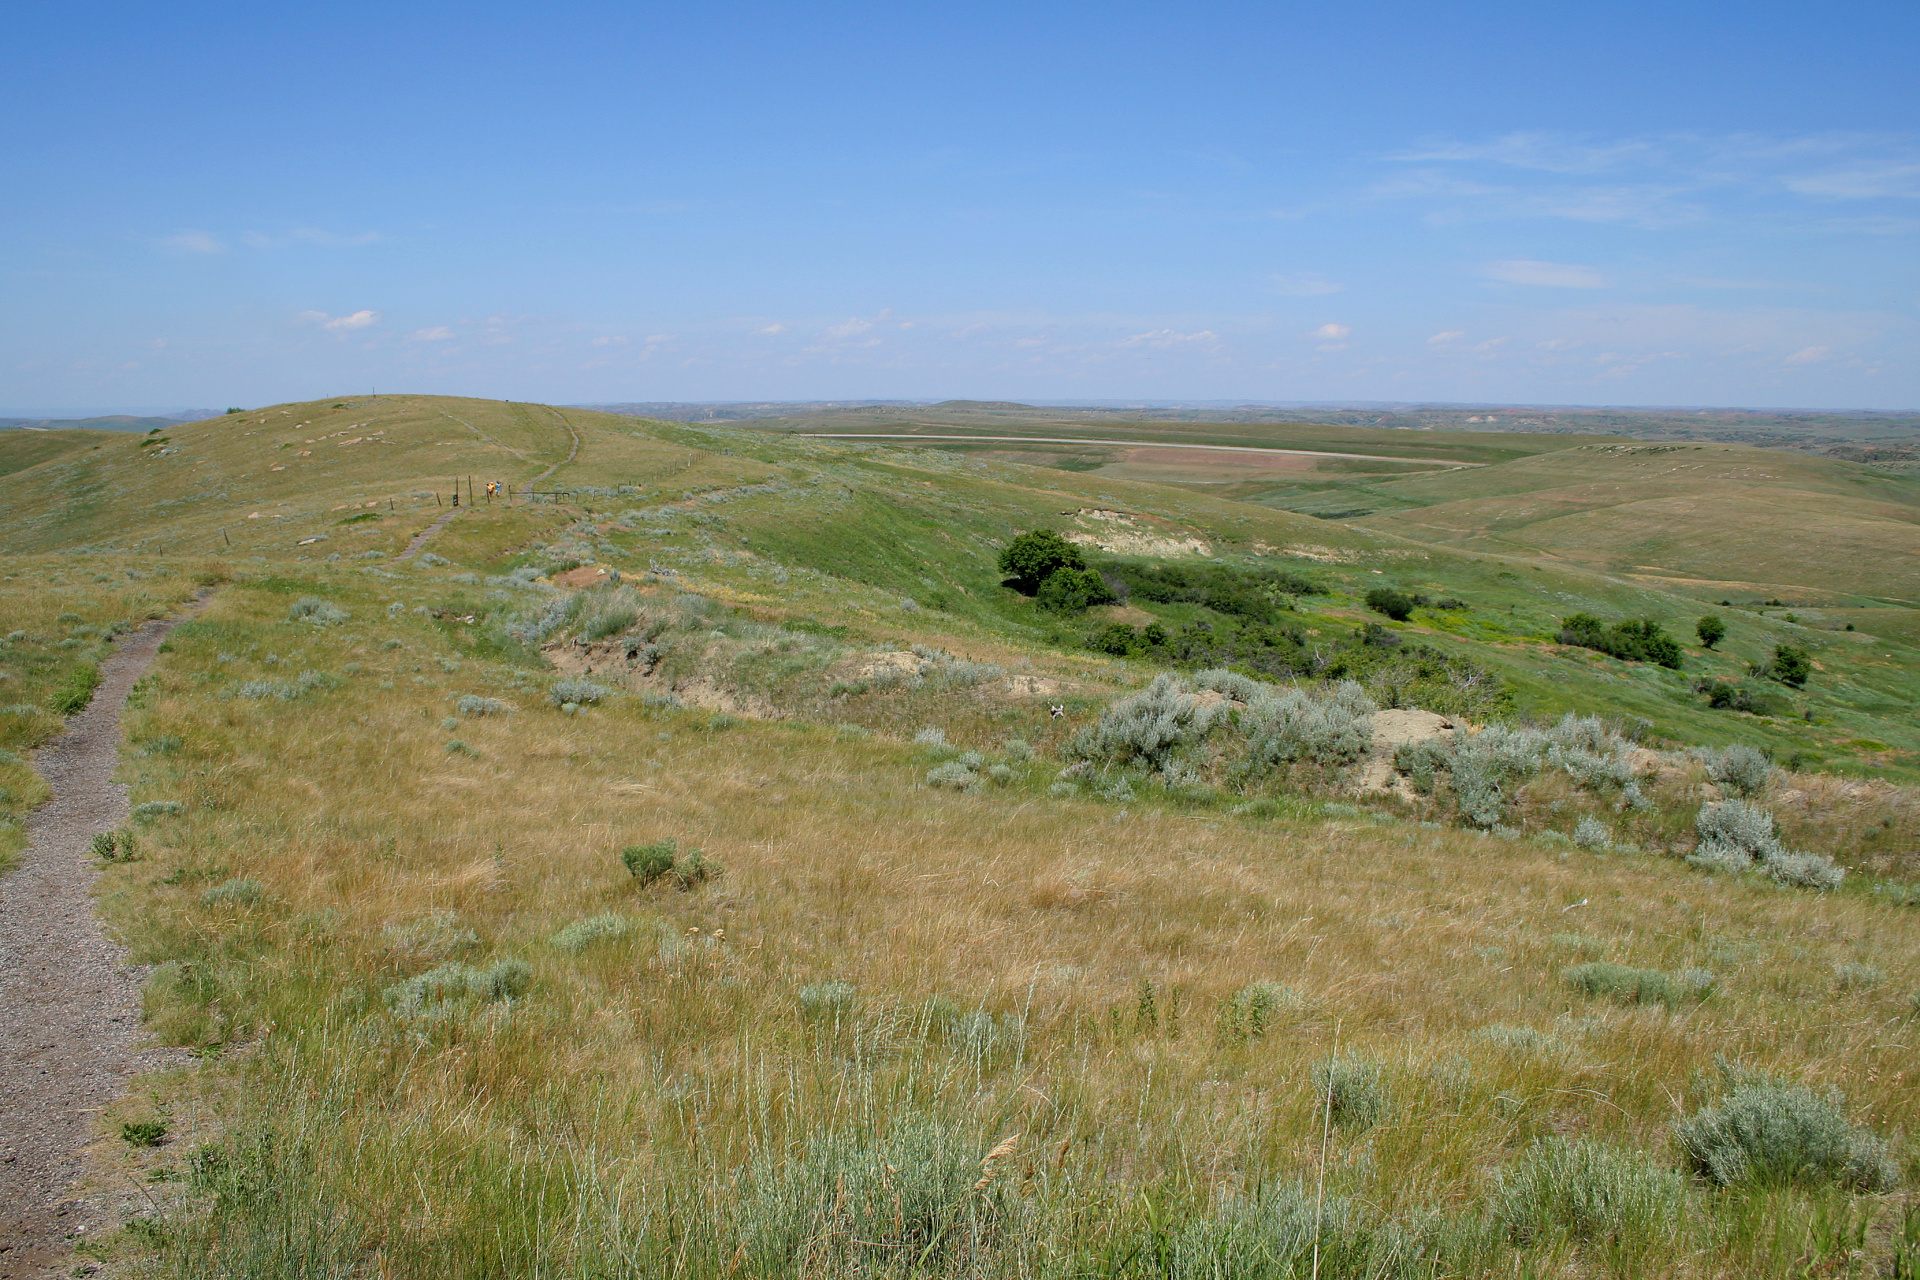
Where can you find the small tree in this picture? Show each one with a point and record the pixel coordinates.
(1032, 558)
(1395, 604)
(1071, 590)
(1711, 630)
(1791, 665)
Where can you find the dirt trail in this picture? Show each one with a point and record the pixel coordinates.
(70, 1032)
(427, 534)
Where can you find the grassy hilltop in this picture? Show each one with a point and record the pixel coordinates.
(677, 868)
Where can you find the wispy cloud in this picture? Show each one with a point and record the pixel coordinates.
(439, 333)
(1810, 355)
(1169, 338)
(192, 242)
(340, 324)
(1305, 286)
(1553, 275)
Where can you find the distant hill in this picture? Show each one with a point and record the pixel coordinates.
(112, 422)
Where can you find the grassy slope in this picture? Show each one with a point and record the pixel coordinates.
(610, 1120)
(22, 449)
(1715, 519)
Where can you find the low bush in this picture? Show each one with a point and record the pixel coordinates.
(1740, 770)
(1585, 1190)
(1853, 976)
(662, 859)
(1774, 1134)
(1251, 1012)
(581, 934)
(953, 774)
(455, 982)
(910, 1201)
(1353, 1092)
(1624, 984)
(1146, 727)
(154, 810)
(1395, 604)
(1591, 833)
(233, 893)
(1634, 640)
(577, 692)
(821, 1000)
(144, 1133)
(1289, 1231)
(315, 610)
(473, 704)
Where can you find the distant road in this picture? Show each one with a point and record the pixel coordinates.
(1134, 444)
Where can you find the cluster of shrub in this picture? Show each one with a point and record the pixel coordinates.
(1042, 564)
(1399, 605)
(1632, 640)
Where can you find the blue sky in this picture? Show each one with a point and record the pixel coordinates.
(212, 204)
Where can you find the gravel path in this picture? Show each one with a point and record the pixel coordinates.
(70, 1034)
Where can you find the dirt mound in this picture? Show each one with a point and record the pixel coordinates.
(587, 575)
(1393, 729)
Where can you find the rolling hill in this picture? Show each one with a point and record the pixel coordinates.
(697, 859)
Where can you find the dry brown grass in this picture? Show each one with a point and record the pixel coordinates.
(674, 1054)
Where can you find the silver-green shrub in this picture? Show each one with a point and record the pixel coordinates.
(1740, 770)
(1591, 833)
(1281, 1232)
(1624, 983)
(472, 704)
(954, 774)
(577, 691)
(233, 893)
(314, 609)
(1352, 1092)
(1332, 730)
(1586, 1190)
(581, 934)
(855, 1204)
(1732, 835)
(154, 810)
(1773, 1134)
(1147, 727)
(455, 982)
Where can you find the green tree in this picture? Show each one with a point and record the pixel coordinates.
(1791, 665)
(1032, 558)
(1071, 590)
(1711, 630)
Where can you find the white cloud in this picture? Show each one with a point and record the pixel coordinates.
(1553, 275)
(439, 333)
(1861, 182)
(1305, 286)
(775, 328)
(1333, 332)
(193, 242)
(1810, 355)
(339, 324)
(1168, 338)
(853, 326)
(1442, 339)
(609, 341)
